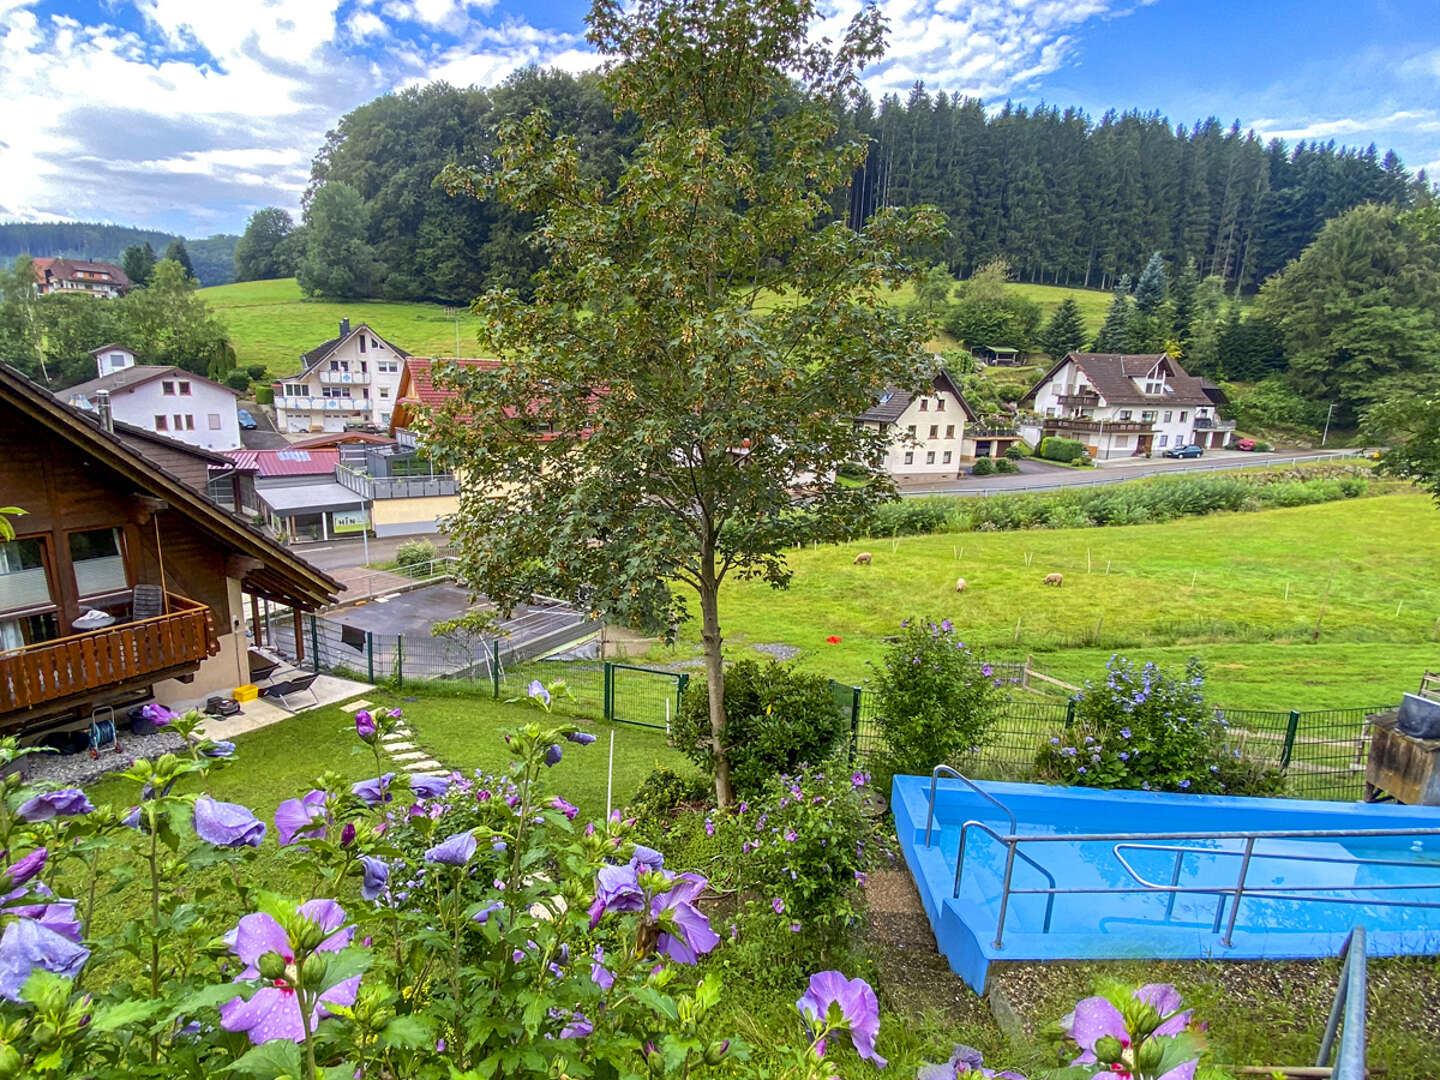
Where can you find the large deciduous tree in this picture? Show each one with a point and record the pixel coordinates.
(338, 260)
(1411, 427)
(1359, 311)
(264, 251)
(676, 397)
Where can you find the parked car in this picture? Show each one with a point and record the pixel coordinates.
(1243, 444)
(246, 420)
(1184, 451)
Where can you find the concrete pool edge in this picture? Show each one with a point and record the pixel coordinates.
(964, 931)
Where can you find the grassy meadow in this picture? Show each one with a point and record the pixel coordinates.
(1093, 302)
(1245, 591)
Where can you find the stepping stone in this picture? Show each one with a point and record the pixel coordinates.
(392, 747)
(395, 736)
(426, 766)
(356, 706)
(411, 756)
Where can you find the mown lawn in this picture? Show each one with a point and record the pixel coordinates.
(1093, 302)
(1245, 591)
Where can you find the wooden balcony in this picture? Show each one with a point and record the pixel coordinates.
(1084, 399)
(1095, 427)
(87, 666)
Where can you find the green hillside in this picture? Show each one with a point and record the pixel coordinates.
(271, 323)
(1093, 302)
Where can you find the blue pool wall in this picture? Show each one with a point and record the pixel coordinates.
(965, 931)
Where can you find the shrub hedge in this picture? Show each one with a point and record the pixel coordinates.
(1057, 449)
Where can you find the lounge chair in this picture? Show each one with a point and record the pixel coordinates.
(282, 692)
(262, 666)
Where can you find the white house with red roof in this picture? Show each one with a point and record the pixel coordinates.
(346, 383)
(85, 276)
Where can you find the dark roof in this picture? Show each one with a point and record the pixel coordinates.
(309, 359)
(67, 269)
(336, 438)
(893, 405)
(282, 576)
(134, 375)
(112, 345)
(1111, 375)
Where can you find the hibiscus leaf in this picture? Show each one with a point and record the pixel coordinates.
(278, 1057)
(407, 1033)
(111, 1017)
(210, 997)
(346, 964)
(661, 1003)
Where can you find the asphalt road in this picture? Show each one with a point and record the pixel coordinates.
(1043, 476)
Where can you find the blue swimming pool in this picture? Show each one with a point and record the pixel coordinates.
(1163, 891)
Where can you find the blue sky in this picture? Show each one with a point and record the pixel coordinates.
(190, 114)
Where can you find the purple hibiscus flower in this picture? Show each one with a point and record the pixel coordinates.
(28, 945)
(220, 748)
(456, 850)
(617, 889)
(25, 869)
(859, 1011)
(965, 1061)
(301, 819)
(273, 1012)
(652, 859)
(689, 932)
(553, 755)
(226, 824)
(375, 790)
(599, 974)
(584, 738)
(1096, 1018)
(577, 1028)
(568, 809)
(778, 905)
(375, 876)
(58, 917)
(429, 787)
(365, 726)
(53, 804)
(536, 689)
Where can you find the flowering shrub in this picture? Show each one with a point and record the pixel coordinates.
(1138, 1035)
(776, 720)
(935, 699)
(1149, 729)
(455, 926)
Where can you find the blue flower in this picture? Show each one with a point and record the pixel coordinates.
(1184, 784)
(1125, 733)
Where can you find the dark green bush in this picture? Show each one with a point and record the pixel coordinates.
(661, 794)
(414, 555)
(1005, 465)
(853, 471)
(1015, 452)
(776, 720)
(1261, 447)
(237, 380)
(982, 467)
(255, 371)
(1057, 449)
(265, 395)
(911, 517)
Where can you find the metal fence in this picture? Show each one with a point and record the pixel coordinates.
(1321, 751)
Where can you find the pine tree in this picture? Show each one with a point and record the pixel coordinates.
(1065, 332)
(138, 262)
(177, 253)
(1150, 291)
(1114, 336)
(1183, 300)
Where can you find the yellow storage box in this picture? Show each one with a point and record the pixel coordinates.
(248, 692)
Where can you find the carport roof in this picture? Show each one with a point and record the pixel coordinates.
(310, 498)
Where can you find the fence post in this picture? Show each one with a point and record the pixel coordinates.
(682, 680)
(607, 693)
(315, 641)
(495, 665)
(370, 655)
(854, 723)
(1290, 730)
(400, 661)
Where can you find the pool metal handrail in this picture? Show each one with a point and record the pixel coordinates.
(935, 778)
(1011, 854)
(1349, 1000)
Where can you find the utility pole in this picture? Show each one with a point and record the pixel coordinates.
(365, 531)
(1328, 414)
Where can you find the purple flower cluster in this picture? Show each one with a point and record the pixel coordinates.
(683, 932)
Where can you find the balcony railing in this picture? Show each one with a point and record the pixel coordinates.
(345, 378)
(991, 431)
(1081, 398)
(1211, 423)
(50, 671)
(1060, 423)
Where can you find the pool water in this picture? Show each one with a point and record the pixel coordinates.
(1345, 881)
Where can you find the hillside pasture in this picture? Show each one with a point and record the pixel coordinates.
(1248, 592)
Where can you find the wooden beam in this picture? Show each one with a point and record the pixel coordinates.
(255, 619)
(299, 636)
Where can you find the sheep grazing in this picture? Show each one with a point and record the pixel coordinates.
(863, 557)
(1055, 579)
(960, 585)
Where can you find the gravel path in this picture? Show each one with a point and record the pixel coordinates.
(778, 651)
(81, 769)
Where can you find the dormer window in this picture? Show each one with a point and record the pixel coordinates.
(940, 404)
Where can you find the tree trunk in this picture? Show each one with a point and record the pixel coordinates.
(715, 681)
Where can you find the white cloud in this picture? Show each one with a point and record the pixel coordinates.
(1413, 120)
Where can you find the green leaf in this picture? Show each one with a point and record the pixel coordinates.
(210, 997)
(407, 1033)
(346, 964)
(663, 1004)
(132, 1011)
(270, 1060)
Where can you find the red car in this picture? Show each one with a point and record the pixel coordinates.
(1243, 444)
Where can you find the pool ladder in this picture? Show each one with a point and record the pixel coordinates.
(1123, 842)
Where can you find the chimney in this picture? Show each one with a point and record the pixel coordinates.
(102, 406)
(344, 328)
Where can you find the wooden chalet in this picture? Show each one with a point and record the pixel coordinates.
(123, 580)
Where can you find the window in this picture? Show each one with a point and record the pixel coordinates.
(178, 420)
(213, 419)
(1125, 414)
(930, 458)
(911, 430)
(1183, 416)
(924, 404)
(23, 583)
(946, 458)
(384, 391)
(909, 457)
(161, 422)
(184, 389)
(297, 390)
(1148, 416)
(392, 366)
(1122, 441)
(949, 431)
(1164, 439)
(940, 404)
(189, 421)
(1168, 415)
(99, 562)
(362, 343)
(167, 388)
(934, 431)
(334, 392)
(117, 360)
(374, 344)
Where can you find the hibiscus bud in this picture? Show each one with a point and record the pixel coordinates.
(312, 975)
(347, 834)
(715, 1051)
(9, 1062)
(1108, 1048)
(1146, 1020)
(310, 935)
(271, 966)
(654, 1059)
(1147, 1057)
(44, 1035)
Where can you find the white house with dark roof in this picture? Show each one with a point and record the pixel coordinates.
(931, 434)
(89, 277)
(167, 400)
(1125, 405)
(349, 381)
